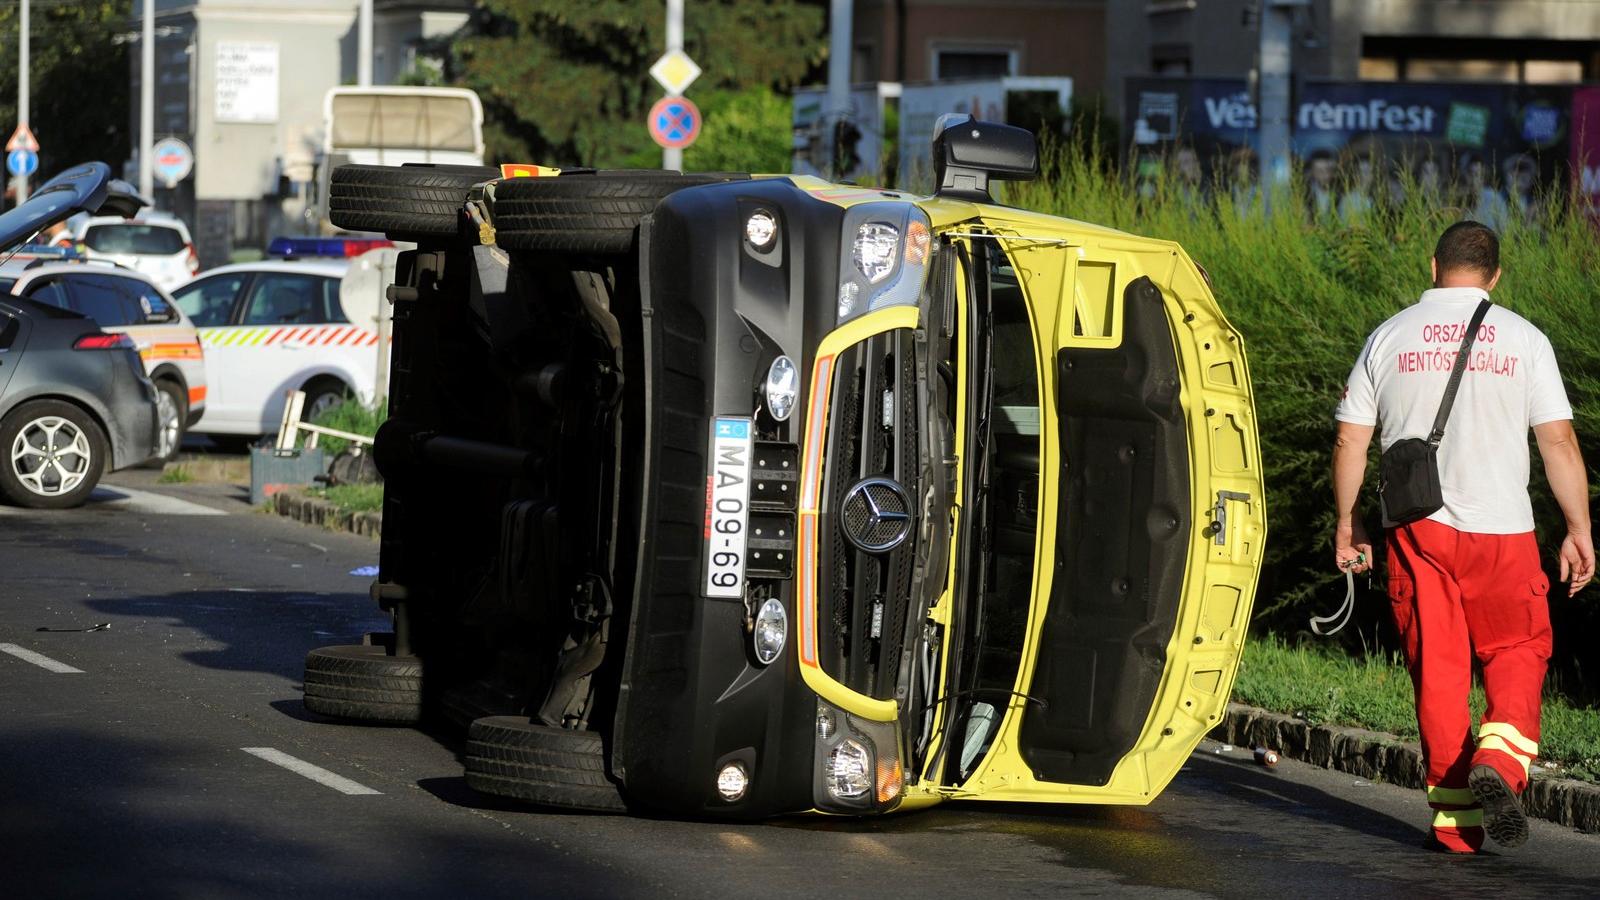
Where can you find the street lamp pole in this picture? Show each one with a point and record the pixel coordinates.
(147, 101)
(1273, 78)
(22, 90)
(838, 108)
(364, 45)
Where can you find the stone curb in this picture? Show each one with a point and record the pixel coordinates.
(314, 511)
(1384, 757)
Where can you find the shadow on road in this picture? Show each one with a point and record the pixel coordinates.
(260, 631)
(182, 830)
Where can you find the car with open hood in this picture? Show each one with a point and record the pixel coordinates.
(737, 496)
(75, 401)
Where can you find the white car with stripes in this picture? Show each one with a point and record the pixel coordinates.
(274, 326)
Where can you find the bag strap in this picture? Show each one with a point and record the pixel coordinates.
(1455, 373)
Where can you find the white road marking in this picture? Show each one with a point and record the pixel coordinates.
(39, 659)
(126, 499)
(316, 773)
(134, 500)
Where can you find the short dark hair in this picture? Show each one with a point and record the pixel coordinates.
(1468, 245)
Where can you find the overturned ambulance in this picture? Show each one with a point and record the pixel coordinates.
(733, 496)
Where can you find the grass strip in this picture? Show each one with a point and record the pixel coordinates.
(353, 497)
(352, 416)
(1326, 686)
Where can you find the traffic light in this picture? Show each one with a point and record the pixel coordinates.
(846, 155)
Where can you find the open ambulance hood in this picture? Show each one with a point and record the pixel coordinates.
(87, 188)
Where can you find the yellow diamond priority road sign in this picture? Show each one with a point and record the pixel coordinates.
(675, 71)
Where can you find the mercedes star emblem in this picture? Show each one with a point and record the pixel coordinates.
(876, 515)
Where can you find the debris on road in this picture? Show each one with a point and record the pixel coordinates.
(365, 572)
(103, 626)
(1266, 756)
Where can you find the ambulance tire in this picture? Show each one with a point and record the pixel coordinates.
(364, 684)
(509, 756)
(585, 213)
(410, 201)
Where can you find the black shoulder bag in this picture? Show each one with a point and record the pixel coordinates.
(1408, 472)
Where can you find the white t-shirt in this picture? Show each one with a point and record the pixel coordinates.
(1511, 384)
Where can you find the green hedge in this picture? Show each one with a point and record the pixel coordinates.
(1305, 293)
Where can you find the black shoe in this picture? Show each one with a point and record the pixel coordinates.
(1503, 818)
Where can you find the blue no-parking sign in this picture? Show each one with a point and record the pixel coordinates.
(674, 122)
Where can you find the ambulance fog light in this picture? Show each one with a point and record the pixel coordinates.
(733, 781)
(781, 387)
(761, 230)
(848, 770)
(771, 631)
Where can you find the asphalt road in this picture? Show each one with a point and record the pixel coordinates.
(131, 777)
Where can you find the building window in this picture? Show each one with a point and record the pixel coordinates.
(974, 62)
(1552, 71)
(863, 64)
(1171, 59)
(1501, 70)
(1379, 69)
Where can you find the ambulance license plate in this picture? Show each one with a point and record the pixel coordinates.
(727, 506)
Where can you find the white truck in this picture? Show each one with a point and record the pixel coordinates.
(395, 125)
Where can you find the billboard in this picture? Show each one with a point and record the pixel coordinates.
(1585, 144)
(1478, 137)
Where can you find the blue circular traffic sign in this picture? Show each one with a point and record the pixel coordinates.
(674, 122)
(22, 163)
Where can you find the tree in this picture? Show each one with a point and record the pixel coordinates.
(569, 83)
(744, 131)
(78, 91)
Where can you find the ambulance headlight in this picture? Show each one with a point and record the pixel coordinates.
(848, 771)
(858, 765)
(876, 249)
(885, 257)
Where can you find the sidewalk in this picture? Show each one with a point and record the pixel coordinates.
(1384, 757)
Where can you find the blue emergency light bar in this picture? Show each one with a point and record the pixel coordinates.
(46, 251)
(290, 247)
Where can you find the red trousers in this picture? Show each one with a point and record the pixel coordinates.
(1453, 594)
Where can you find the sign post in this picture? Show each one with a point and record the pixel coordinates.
(674, 71)
(22, 98)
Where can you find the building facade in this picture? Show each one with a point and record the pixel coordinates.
(242, 83)
(933, 40)
(1496, 41)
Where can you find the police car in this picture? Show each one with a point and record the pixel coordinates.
(122, 300)
(277, 325)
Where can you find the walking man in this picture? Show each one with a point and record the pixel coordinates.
(1467, 578)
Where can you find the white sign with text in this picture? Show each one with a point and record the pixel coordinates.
(247, 81)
